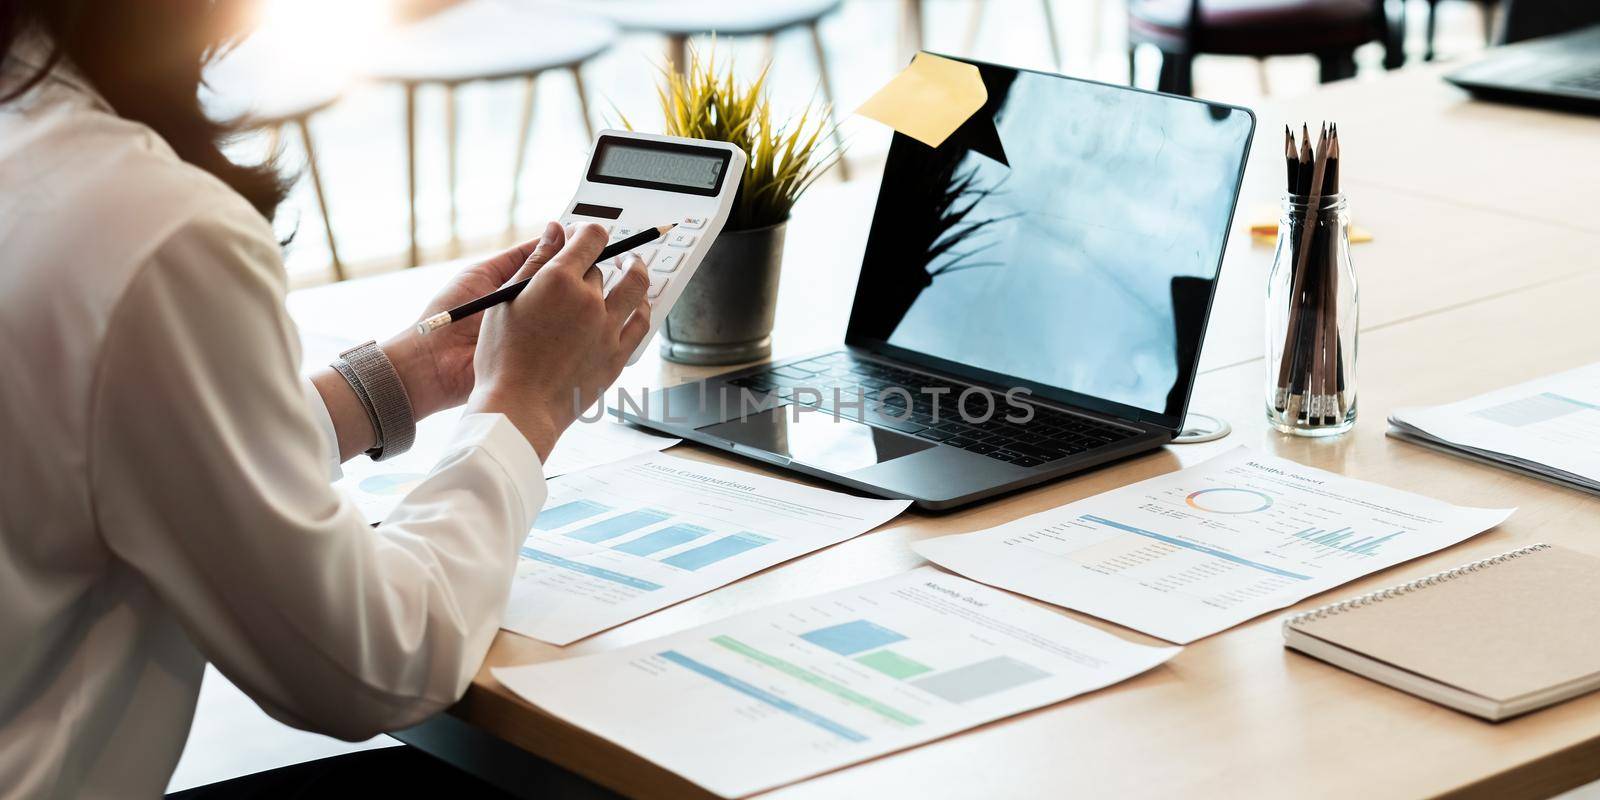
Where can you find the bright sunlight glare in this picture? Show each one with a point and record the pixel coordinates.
(334, 33)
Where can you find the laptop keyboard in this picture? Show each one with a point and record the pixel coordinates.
(1049, 436)
(1588, 80)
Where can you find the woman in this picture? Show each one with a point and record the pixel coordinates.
(165, 498)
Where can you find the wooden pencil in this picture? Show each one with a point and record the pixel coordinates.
(1297, 312)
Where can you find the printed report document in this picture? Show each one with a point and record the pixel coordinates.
(1548, 428)
(377, 487)
(775, 695)
(614, 543)
(1194, 552)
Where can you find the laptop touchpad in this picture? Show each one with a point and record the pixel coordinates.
(817, 439)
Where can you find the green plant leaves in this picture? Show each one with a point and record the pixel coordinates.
(705, 101)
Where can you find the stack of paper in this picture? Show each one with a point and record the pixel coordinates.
(772, 696)
(1193, 552)
(1548, 428)
(377, 487)
(614, 543)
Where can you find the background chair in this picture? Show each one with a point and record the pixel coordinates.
(484, 40)
(678, 21)
(267, 95)
(975, 15)
(1485, 7)
(1331, 30)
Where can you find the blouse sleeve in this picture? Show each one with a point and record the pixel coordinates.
(209, 477)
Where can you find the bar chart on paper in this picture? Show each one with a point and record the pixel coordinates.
(775, 694)
(1343, 539)
(617, 542)
(627, 550)
(1193, 552)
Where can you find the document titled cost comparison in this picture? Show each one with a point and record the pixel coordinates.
(1194, 552)
(616, 542)
(772, 696)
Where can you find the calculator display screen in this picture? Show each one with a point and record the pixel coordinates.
(659, 165)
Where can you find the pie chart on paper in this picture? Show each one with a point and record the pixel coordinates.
(1229, 500)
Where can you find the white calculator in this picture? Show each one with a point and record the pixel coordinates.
(642, 180)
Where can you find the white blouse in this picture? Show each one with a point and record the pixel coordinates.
(164, 496)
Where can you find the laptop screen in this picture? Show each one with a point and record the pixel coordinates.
(1066, 238)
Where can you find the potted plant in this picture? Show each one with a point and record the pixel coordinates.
(725, 314)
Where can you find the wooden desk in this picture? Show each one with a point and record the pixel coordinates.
(1479, 278)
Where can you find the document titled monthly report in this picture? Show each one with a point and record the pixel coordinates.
(1194, 552)
(616, 542)
(772, 696)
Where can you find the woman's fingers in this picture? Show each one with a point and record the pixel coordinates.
(550, 243)
(630, 289)
(582, 249)
(635, 328)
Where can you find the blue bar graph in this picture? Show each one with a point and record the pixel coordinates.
(708, 554)
(660, 540)
(618, 525)
(588, 569)
(566, 514)
(1210, 551)
(763, 696)
(1365, 546)
(850, 638)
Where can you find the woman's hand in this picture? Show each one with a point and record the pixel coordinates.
(436, 367)
(550, 352)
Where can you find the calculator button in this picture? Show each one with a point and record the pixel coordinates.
(622, 233)
(681, 240)
(646, 254)
(668, 262)
(658, 284)
(692, 223)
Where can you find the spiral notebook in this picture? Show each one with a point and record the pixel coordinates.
(1494, 638)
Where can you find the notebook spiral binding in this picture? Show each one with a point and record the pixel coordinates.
(1407, 588)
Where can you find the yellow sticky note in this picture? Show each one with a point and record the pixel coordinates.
(929, 100)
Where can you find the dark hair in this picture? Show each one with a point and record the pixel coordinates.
(145, 57)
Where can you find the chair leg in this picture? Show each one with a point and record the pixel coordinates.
(1336, 65)
(969, 39)
(1487, 14)
(1262, 79)
(911, 32)
(769, 47)
(827, 94)
(524, 132)
(452, 162)
(1177, 73)
(304, 124)
(1133, 64)
(1050, 32)
(411, 168)
(1394, 34)
(274, 139)
(1096, 22)
(1433, 19)
(583, 99)
(678, 53)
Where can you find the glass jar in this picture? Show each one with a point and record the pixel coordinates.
(1312, 315)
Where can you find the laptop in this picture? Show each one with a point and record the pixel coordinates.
(1031, 302)
(1555, 71)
